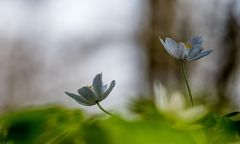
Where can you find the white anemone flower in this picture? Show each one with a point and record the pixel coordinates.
(189, 51)
(174, 106)
(91, 95)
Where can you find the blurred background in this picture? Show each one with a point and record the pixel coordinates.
(52, 46)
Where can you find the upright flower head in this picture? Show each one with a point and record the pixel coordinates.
(189, 51)
(91, 95)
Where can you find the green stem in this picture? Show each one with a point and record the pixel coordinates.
(103, 109)
(185, 79)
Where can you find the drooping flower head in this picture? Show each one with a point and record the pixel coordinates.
(189, 51)
(91, 95)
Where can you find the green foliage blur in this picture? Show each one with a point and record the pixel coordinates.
(147, 125)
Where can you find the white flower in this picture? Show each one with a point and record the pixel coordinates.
(189, 51)
(174, 106)
(91, 95)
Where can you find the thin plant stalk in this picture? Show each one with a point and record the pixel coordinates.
(105, 111)
(186, 81)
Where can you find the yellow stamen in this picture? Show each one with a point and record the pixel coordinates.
(90, 86)
(188, 45)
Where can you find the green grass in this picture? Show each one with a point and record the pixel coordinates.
(59, 125)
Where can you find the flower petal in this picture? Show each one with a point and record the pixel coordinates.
(200, 55)
(104, 88)
(88, 94)
(194, 51)
(172, 46)
(98, 84)
(108, 91)
(169, 50)
(196, 40)
(78, 98)
(181, 51)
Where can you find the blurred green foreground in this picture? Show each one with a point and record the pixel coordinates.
(148, 125)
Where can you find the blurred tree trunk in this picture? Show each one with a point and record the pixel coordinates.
(161, 66)
(230, 56)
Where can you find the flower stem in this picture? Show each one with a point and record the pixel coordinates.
(185, 79)
(105, 111)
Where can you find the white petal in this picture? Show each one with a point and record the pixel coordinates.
(81, 100)
(200, 55)
(167, 48)
(172, 46)
(194, 51)
(197, 40)
(108, 91)
(181, 51)
(98, 84)
(88, 94)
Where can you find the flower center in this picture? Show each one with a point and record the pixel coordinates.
(188, 45)
(91, 87)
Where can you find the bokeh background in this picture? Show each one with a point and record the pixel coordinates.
(51, 46)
